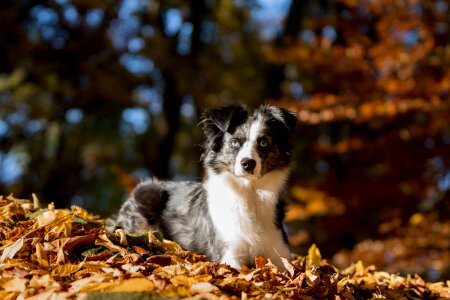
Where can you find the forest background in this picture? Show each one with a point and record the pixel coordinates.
(97, 94)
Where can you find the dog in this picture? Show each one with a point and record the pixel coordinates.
(236, 213)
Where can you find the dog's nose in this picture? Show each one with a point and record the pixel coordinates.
(248, 164)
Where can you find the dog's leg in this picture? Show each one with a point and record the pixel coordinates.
(231, 259)
(275, 252)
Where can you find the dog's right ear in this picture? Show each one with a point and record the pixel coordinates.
(217, 121)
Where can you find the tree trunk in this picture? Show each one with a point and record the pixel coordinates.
(275, 72)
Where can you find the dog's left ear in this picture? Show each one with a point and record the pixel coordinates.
(288, 118)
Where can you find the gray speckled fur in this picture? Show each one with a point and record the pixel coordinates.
(176, 209)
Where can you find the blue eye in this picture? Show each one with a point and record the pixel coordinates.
(263, 143)
(234, 143)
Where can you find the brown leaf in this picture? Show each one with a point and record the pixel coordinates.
(141, 251)
(40, 252)
(260, 261)
(162, 260)
(104, 241)
(74, 242)
(66, 269)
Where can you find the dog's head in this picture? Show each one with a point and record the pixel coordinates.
(247, 144)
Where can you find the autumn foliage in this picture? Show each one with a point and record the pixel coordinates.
(374, 125)
(49, 253)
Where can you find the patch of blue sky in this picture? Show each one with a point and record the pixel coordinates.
(329, 32)
(135, 44)
(10, 168)
(443, 182)
(71, 15)
(130, 7)
(307, 35)
(296, 89)
(138, 118)
(74, 115)
(48, 32)
(34, 126)
(270, 15)
(411, 38)
(94, 17)
(187, 108)
(184, 39)
(173, 20)
(149, 96)
(44, 15)
(4, 128)
(137, 64)
(62, 2)
(17, 117)
(121, 30)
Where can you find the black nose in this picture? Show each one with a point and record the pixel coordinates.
(248, 164)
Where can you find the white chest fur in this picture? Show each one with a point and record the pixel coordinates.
(243, 213)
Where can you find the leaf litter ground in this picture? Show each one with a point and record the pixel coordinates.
(48, 253)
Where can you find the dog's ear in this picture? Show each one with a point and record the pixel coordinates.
(225, 118)
(288, 118)
(217, 121)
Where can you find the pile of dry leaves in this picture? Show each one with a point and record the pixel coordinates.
(48, 253)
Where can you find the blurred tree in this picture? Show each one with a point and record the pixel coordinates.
(374, 85)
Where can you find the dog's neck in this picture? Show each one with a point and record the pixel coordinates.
(265, 189)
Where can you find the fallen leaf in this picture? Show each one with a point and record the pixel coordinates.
(104, 241)
(162, 260)
(202, 287)
(188, 281)
(51, 216)
(314, 256)
(66, 269)
(131, 285)
(11, 250)
(289, 267)
(14, 284)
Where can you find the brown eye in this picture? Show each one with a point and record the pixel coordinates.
(234, 143)
(263, 143)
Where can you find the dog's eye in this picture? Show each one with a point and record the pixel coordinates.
(234, 143)
(263, 143)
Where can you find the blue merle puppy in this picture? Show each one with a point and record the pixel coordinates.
(236, 213)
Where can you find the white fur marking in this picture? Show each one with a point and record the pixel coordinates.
(248, 150)
(244, 216)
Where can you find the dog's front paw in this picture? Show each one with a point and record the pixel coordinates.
(231, 260)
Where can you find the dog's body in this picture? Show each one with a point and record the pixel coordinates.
(236, 213)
